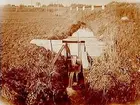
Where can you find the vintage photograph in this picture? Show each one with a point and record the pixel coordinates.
(69, 52)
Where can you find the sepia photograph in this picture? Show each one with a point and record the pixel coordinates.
(69, 52)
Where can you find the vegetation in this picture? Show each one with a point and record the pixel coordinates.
(80, 5)
(38, 4)
(55, 5)
(35, 82)
(115, 76)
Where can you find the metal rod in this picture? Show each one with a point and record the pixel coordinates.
(65, 41)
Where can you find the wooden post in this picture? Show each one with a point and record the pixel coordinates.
(16, 8)
(83, 8)
(77, 8)
(103, 7)
(57, 55)
(92, 7)
(70, 8)
(51, 45)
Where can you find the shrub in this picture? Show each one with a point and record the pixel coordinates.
(113, 77)
(35, 83)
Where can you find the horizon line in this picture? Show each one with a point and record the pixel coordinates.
(69, 4)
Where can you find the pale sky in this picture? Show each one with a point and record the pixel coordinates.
(65, 2)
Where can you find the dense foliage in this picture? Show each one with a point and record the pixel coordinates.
(35, 83)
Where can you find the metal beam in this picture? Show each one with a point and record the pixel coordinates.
(64, 41)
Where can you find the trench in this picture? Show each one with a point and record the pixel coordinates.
(89, 38)
(94, 48)
(97, 49)
(76, 96)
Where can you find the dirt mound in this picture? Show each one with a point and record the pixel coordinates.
(113, 77)
(70, 30)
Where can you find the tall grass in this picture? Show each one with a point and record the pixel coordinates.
(114, 75)
(31, 83)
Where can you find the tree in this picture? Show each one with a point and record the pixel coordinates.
(8, 5)
(22, 6)
(13, 5)
(44, 5)
(38, 4)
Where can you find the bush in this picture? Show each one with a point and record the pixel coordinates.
(113, 77)
(35, 83)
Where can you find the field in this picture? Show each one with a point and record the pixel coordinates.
(18, 29)
(114, 77)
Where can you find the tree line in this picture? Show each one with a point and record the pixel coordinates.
(37, 4)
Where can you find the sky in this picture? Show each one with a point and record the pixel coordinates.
(65, 2)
